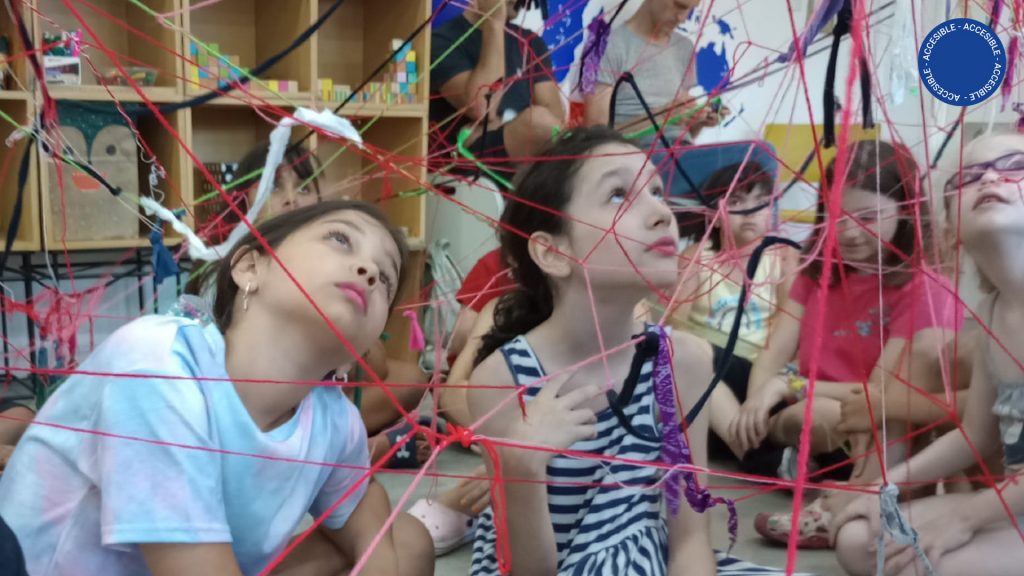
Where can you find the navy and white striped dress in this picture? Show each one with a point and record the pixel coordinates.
(607, 516)
(600, 526)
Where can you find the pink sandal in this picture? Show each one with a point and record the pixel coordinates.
(814, 521)
(449, 529)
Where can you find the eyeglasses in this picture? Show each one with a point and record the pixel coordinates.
(970, 174)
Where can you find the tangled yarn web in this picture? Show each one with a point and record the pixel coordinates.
(765, 59)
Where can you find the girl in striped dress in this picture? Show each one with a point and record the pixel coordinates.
(587, 237)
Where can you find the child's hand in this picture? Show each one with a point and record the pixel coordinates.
(937, 538)
(853, 411)
(555, 420)
(864, 506)
(750, 426)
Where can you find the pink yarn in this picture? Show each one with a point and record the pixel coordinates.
(1012, 53)
(416, 340)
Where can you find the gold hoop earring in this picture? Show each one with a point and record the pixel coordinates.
(245, 297)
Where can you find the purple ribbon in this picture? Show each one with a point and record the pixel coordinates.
(674, 450)
(594, 51)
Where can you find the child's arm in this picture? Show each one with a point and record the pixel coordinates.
(766, 387)
(916, 408)
(907, 372)
(354, 538)
(949, 454)
(451, 397)
(551, 421)
(689, 552)
(789, 261)
(190, 559)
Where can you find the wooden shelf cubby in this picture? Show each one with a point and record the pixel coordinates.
(391, 164)
(27, 240)
(135, 37)
(18, 64)
(177, 192)
(355, 41)
(254, 30)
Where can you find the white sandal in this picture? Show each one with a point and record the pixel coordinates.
(449, 529)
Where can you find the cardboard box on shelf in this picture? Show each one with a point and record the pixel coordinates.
(102, 139)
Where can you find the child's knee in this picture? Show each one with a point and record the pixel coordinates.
(852, 548)
(414, 545)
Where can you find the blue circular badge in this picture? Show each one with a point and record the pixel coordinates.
(962, 62)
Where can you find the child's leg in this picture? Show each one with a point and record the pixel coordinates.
(15, 421)
(786, 426)
(318, 556)
(994, 551)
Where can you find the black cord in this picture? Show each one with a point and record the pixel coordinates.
(645, 349)
(483, 135)
(15, 224)
(648, 347)
(734, 333)
(842, 27)
(627, 78)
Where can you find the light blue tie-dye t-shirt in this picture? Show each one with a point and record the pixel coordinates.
(172, 458)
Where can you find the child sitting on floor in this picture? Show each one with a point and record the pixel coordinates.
(713, 270)
(973, 534)
(587, 235)
(179, 444)
(883, 314)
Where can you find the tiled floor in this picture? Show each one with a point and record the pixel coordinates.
(749, 547)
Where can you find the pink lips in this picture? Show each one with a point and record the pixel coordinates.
(666, 246)
(989, 198)
(355, 292)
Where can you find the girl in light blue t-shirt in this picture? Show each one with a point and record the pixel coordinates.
(183, 448)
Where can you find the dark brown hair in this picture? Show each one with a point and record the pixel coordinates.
(275, 231)
(304, 163)
(542, 190)
(892, 171)
(748, 176)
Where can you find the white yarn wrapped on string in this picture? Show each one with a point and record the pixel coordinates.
(325, 120)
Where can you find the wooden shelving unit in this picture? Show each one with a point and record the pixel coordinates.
(351, 44)
(19, 105)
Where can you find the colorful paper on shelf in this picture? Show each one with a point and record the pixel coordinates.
(272, 85)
